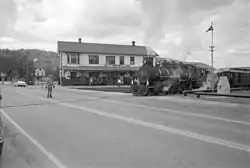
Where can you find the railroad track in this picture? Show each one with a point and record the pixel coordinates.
(206, 97)
(110, 89)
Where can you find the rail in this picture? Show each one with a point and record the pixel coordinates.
(215, 90)
(198, 93)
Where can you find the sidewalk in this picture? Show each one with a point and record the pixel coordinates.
(97, 86)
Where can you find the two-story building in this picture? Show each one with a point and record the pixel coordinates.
(39, 76)
(104, 63)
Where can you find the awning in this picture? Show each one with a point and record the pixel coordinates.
(102, 68)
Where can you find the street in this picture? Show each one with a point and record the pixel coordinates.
(78, 128)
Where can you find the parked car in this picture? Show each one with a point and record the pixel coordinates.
(20, 84)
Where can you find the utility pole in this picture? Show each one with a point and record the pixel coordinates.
(27, 69)
(211, 28)
(212, 47)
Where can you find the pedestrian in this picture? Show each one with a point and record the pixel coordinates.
(90, 81)
(119, 82)
(50, 85)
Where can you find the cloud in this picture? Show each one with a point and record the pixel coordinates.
(174, 28)
(62, 18)
(12, 43)
(187, 20)
(8, 16)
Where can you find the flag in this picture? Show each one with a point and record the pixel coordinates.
(211, 28)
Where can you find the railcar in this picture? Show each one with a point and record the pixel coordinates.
(236, 77)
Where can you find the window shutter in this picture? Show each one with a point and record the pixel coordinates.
(68, 58)
(78, 58)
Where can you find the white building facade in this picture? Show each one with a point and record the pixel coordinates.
(104, 62)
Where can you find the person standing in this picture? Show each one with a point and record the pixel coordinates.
(90, 81)
(50, 85)
(119, 81)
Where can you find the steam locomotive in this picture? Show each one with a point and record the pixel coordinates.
(167, 77)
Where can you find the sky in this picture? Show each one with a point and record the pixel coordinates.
(173, 28)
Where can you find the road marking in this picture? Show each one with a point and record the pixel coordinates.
(172, 99)
(50, 156)
(179, 112)
(156, 126)
(172, 111)
(194, 101)
(189, 100)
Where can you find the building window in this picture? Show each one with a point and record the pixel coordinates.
(132, 60)
(73, 58)
(121, 60)
(93, 59)
(110, 60)
(73, 74)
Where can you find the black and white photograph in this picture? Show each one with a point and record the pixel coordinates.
(124, 83)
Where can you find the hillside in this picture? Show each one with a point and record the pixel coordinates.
(25, 61)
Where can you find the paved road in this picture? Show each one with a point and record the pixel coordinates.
(90, 129)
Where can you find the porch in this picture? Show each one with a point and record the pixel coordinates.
(100, 76)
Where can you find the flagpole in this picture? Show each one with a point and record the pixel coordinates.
(212, 47)
(212, 54)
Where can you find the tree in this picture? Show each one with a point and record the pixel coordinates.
(22, 65)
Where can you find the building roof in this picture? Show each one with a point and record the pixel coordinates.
(241, 68)
(238, 69)
(98, 48)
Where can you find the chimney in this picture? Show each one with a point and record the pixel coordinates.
(79, 40)
(133, 43)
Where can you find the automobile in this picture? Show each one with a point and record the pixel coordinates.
(56, 83)
(20, 84)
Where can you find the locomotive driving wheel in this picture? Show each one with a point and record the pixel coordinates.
(180, 89)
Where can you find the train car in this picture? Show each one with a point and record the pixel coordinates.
(237, 77)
